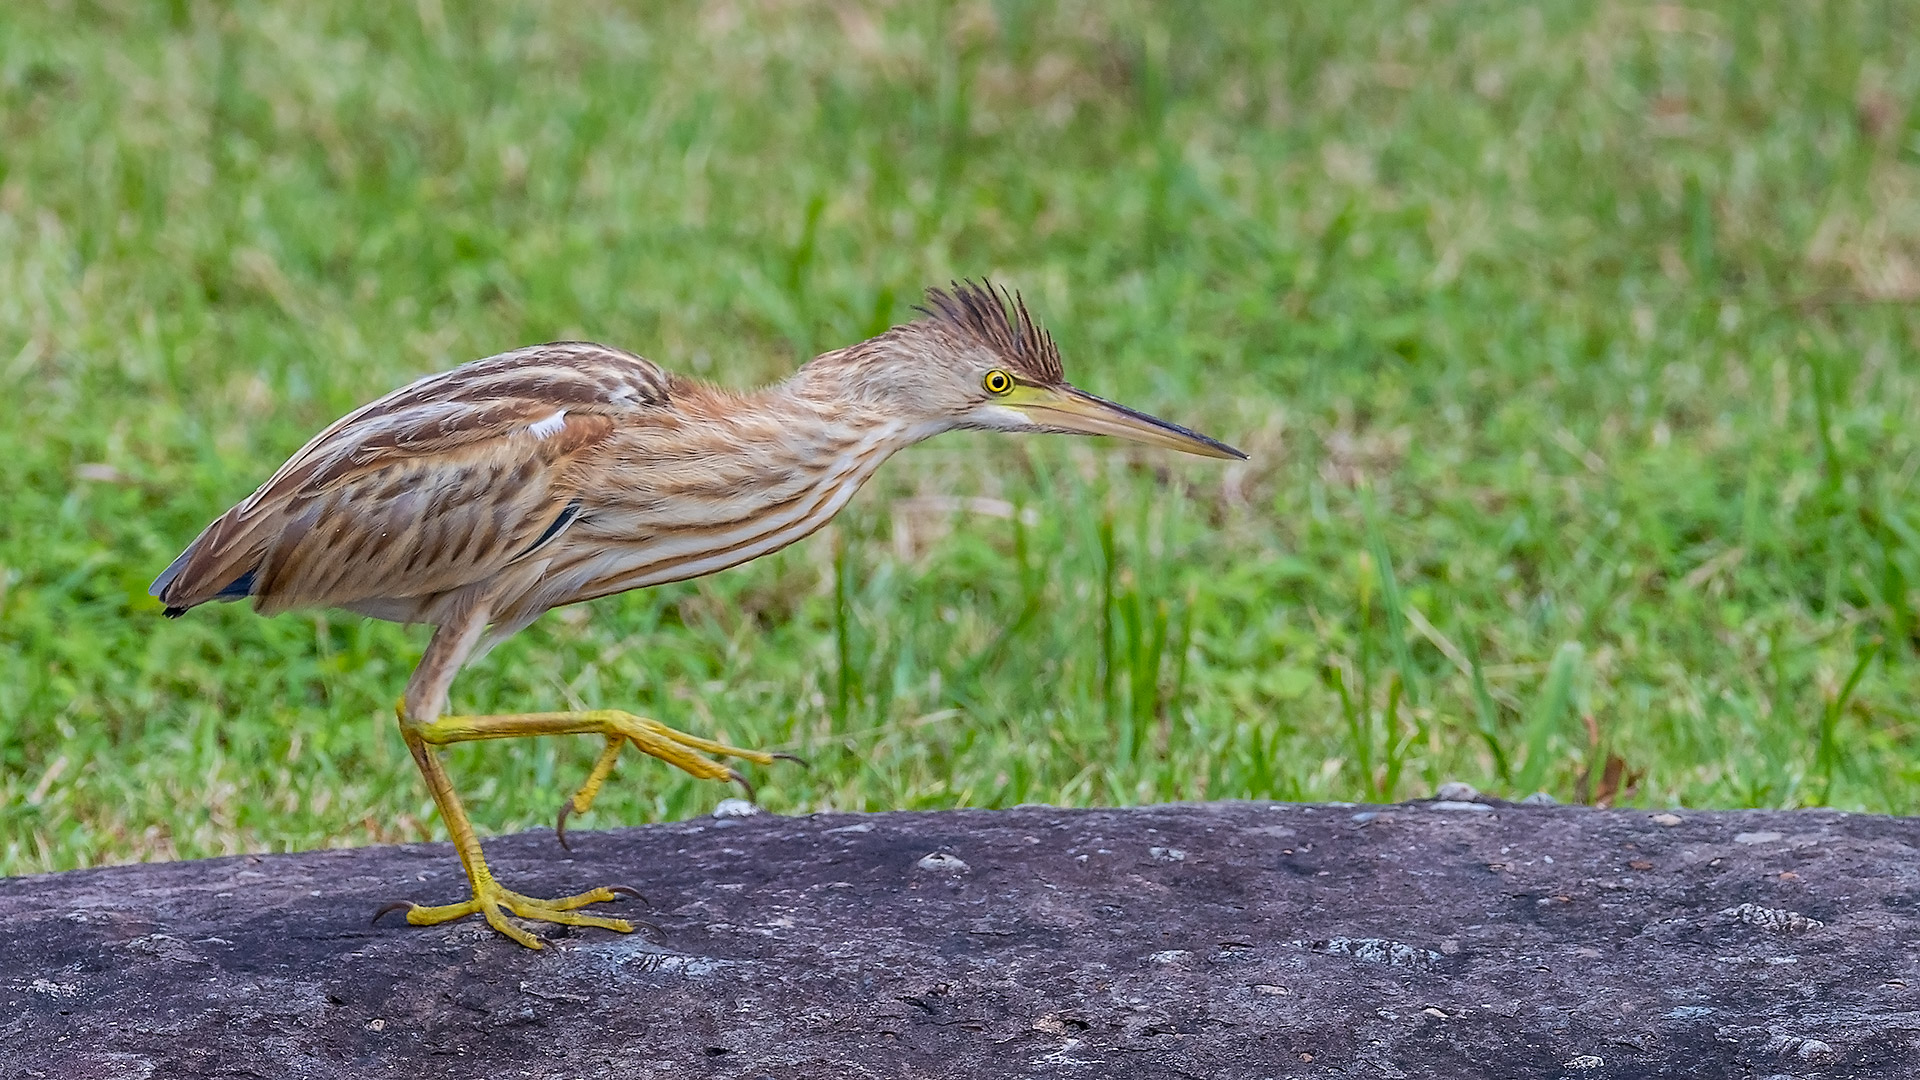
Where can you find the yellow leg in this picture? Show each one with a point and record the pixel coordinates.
(492, 901)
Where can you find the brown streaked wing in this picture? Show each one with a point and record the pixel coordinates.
(436, 486)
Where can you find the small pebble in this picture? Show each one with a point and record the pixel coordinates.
(1455, 804)
(1540, 798)
(1584, 1061)
(1756, 838)
(942, 863)
(1168, 854)
(735, 808)
(1169, 956)
(1456, 791)
(1814, 1048)
(1667, 821)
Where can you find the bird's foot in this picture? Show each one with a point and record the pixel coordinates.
(495, 902)
(685, 752)
(688, 753)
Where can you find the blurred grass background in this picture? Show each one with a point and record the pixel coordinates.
(1574, 346)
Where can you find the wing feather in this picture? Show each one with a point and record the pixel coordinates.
(439, 485)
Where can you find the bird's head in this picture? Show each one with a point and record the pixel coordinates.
(976, 359)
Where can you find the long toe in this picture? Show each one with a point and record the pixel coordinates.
(563, 910)
(422, 915)
(498, 920)
(564, 917)
(706, 746)
(604, 894)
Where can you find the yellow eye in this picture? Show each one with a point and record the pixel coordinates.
(997, 382)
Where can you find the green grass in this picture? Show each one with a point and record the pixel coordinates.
(1574, 346)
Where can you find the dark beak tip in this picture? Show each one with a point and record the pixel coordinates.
(1220, 449)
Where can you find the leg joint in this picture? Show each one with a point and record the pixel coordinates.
(410, 724)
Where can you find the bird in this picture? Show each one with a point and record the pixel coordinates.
(477, 499)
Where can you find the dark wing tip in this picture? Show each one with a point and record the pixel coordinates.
(162, 584)
(164, 591)
(158, 590)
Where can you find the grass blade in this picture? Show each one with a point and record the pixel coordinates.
(1390, 596)
(1554, 696)
(1828, 755)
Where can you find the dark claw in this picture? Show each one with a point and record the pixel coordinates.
(560, 824)
(797, 759)
(628, 890)
(397, 905)
(653, 933)
(734, 775)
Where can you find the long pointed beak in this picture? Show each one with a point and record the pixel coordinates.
(1072, 410)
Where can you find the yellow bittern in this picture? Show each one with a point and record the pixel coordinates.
(477, 499)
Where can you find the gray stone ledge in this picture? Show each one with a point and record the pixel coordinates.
(1213, 940)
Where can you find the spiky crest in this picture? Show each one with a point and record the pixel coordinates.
(988, 315)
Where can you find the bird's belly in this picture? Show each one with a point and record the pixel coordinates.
(399, 609)
(587, 568)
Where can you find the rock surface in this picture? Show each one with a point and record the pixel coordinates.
(1449, 939)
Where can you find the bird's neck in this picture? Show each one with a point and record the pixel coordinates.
(833, 397)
